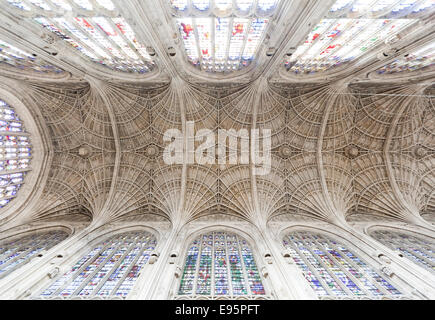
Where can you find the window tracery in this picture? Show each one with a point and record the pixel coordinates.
(417, 249)
(351, 29)
(15, 153)
(333, 270)
(222, 35)
(12, 56)
(110, 269)
(19, 251)
(220, 264)
(416, 60)
(95, 29)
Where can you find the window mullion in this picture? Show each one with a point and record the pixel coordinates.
(198, 46)
(16, 171)
(7, 197)
(328, 269)
(230, 33)
(79, 270)
(122, 279)
(242, 49)
(74, 5)
(212, 278)
(114, 267)
(125, 60)
(357, 282)
(14, 133)
(195, 279)
(313, 269)
(31, 243)
(426, 251)
(242, 262)
(71, 34)
(32, 6)
(411, 255)
(88, 279)
(230, 281)
(307, 48)
(213, 41)
(97, 31)
(134, 63)
(409, 248)
(28, 244)
(3, 250)
(357, 267)
(12, 120)
(16, 158)
(13, 259)
(91, 38)
(10, 185)
(334, 41)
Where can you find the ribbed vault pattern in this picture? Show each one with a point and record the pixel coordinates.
(336, 151)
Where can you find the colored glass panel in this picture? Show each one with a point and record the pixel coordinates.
(354, 28)
(109, 269)
(15, 153)
(203, 282)
(417, 249)
(334, 270)
(223, 44)
(417, 60)
(110, 42)
(13, 57)
(188, 278)
(220, 264)
(16, 253)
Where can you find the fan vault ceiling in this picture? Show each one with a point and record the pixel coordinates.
(344, 143)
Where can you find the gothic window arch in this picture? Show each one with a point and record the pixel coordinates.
(418, 249)
(222, 36)
(220, 264)
(334, 270)
(352, 29)
(15, 153)
(16, 252)
(96, 29)
(109, 269)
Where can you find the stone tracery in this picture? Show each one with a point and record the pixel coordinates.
(338, 150)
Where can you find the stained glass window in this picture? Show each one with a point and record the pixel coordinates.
(109, 269)
(353, 28)
(17, 252)
(105, 39)
(215, 41)
(15, 153)
(416, 60)
(334, 270)
(418, 249)
(220, 264)
(11, 56)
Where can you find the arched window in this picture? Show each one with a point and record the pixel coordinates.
(220, 264)
(334, 270)
(419, 59)
(418, 249)
(109, 269)
(96, 29)
(15, 153)
(222, 36)
(11, 56)
(17, 252)
(354, 29)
